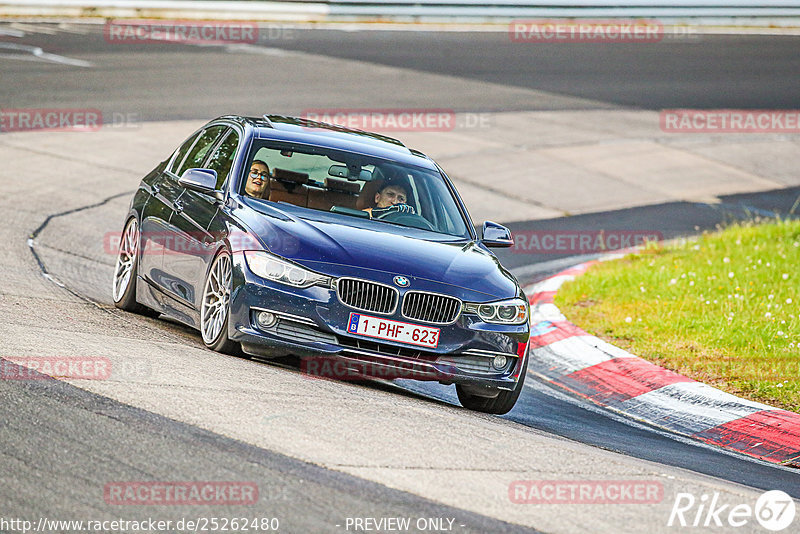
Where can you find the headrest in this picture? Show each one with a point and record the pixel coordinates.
(290, 176)
(344, 186)
(367, 197)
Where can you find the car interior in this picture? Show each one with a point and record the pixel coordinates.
(298, 189)
(325, 183)
(348, 184)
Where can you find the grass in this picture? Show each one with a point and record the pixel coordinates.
(722, 308)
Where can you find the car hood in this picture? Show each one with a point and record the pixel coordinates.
(342, 245)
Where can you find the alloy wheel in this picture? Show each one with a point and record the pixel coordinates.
(128, 247)
(216, 297)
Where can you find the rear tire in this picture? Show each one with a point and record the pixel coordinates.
(499, 405)
(215, 309)
(123, 290)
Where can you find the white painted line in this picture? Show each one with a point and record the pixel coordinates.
(254, 49)
(34, 28)
(38, 53)
(65, 27)
(11, 32)
(54, 280)
(18, 57)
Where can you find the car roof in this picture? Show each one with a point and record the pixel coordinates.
(321, 134)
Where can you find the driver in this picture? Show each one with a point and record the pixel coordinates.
(392, 196)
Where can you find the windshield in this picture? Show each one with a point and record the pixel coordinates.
(352, 185)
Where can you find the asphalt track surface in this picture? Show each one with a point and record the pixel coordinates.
(161, 82)
(69, 436)
(693, 71)
(165, 81)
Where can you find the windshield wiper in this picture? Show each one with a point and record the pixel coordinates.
(350, 211)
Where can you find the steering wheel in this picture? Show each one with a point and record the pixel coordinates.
(407, 219)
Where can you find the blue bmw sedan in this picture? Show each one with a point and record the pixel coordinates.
(279, 236)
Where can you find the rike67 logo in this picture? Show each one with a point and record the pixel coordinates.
(774, 511)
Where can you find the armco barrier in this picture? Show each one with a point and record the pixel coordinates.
(565, 356)
(563, 8)
(749, 12)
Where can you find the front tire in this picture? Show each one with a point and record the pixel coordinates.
(125, 272)
(215, 310)
(499, 405)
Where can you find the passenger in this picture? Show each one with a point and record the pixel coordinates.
(258, 180)
(392, 196)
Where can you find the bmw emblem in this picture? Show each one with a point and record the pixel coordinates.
(402, 281)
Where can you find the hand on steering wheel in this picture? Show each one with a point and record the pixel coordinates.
(402, 214)
(379, 213)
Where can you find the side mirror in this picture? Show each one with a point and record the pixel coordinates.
(200, 180)
(496, 235)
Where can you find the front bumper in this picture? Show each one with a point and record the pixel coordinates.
(312, 324)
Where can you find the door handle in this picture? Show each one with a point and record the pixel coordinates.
(155, 189)
(178, 206)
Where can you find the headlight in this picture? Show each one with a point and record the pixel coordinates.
(273, 268)
(512, 311)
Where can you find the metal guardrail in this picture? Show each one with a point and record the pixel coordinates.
(763, 12)
(598, 4)
(568, 9)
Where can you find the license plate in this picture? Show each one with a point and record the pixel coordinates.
(366, 325)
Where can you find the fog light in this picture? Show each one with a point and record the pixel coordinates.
(499, 361)
(266, 319)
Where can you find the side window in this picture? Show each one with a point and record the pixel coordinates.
(181, 153)
(222, 158)
(200, 149)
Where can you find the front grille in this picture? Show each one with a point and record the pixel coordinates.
(431, 307)
(367, 296)
(386, 349)
(303, 333)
